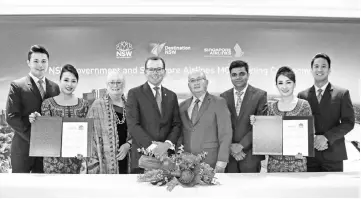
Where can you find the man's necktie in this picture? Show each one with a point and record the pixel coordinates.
(319, 95)
(41, 88)
(195, 111)
(239, 101)
(158, 98)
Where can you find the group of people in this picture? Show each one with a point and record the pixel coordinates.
(150, 117)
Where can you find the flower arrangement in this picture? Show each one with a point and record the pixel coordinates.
(181, 168)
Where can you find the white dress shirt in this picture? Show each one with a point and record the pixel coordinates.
(37, 83)
(153, 90)
(201, 99)
(323, 88)
(236, 96)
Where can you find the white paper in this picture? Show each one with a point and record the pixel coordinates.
(295, 137)
(75, 139)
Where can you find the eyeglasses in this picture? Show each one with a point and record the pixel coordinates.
(158, 70)
(115, 83)
(195, 80)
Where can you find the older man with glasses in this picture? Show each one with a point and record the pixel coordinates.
(206, 123)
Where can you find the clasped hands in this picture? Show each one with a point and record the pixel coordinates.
(320, 142)
(159, 148)
(237, 151)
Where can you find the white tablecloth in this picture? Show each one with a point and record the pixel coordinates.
(232, 186)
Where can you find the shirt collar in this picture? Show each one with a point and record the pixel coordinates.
(36, 79)
(244, 90)
(152, 86)
(323, 87)
(201, 98)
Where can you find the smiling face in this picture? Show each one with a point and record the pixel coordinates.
(68, 83)
(285, 86)
(320, 70)
(38, 64)
(155, 72)
(115, 84)
(239, 77)
(197, 83)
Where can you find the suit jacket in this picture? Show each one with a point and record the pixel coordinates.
(254, 103)
(24, 98)
(144, 121)
(334, 118)
(212, 131)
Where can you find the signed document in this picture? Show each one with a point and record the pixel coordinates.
(287, 135)
(61, 137)
(295, 137)
(74, 139)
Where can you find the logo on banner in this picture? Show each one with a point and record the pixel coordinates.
(157, 48)
(224, 52)
(124, 50)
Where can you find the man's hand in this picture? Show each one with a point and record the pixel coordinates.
(320, 142)
(219, 169)
(236, 148)
(32, 116)
(239, 156)
(123, 151)
(161, 148)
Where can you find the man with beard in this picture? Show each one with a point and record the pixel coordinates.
(334, 117)
(152, 114)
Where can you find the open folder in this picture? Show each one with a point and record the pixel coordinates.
(288, 135)
(61, 137)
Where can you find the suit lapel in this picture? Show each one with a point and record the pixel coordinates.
(204, 107)
(33, 87)
(48, 89)
(186, 105)
(231, 103)
(148, 92)
(246, 99)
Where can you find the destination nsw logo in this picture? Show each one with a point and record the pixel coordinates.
(158, 48)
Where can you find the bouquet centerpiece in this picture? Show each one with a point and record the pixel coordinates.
(181, 168)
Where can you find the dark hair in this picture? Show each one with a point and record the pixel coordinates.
(71, 69)
(324, 56)
(286, 71)
(238, 64)
(37, 49)
(154, 58)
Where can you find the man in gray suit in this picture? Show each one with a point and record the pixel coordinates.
(206, 123)
(243, 101)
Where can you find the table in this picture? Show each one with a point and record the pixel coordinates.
(268, 185)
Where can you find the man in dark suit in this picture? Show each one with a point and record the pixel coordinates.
(25, 97)
(152, 113)
(334, 117)
(206, 123)
(243, 101)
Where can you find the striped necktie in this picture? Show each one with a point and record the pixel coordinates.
(195, 111)
(158, 98)
(319, 95)
(41, 88)
(239, 101)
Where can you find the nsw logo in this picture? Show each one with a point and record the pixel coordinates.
(124, 50)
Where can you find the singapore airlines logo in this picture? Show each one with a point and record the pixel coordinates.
(238, 50)
(157, 48)
(124, 50)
